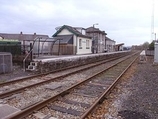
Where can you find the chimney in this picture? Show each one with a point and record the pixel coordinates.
(34, 34)
(21, 33)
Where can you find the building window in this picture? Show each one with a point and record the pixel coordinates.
(87, 44)
(80, 43)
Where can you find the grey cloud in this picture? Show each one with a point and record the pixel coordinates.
(122, 22)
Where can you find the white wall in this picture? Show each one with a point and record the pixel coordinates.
(101, 43)
(76, 42)
(110, 45)
(84, 50)
(81, 30)
(121, 48)
(65, 32)
(156, 53)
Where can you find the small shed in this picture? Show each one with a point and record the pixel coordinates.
(119, 47)
(156, 53)
(5, 62)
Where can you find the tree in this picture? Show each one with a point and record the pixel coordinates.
(145, 45)
(151, 46)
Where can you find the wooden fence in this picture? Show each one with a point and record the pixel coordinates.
(67, 49)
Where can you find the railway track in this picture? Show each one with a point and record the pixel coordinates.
(25, 97)
(15, 86)
(39, 77)
(79, 98)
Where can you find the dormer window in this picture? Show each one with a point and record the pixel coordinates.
(83, 32)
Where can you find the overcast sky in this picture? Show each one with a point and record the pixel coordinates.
(125, 21)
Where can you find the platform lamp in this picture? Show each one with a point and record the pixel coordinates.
(93, 38)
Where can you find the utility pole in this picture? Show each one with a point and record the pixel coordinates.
(152, 22)
(93, 46)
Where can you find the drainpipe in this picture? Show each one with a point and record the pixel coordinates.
(76, 45)
(59, 48)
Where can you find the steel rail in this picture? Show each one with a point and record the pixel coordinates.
(8, 93)
(39, 105)
(66, 68)
(102, 97)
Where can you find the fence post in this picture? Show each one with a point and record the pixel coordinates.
(31, 56)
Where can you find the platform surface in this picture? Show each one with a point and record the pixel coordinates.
(6, 110)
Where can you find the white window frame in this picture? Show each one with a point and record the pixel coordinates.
(80, 43)
(87, 44)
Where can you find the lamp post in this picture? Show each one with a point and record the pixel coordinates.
(93, 45)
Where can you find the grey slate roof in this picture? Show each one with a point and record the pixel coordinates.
(108, 39)
(21, 37)
(119, 44)
(64, 39)
(72, 30)
(95, 30)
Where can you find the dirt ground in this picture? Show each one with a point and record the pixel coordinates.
(17, 72)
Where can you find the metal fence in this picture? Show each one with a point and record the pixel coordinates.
(13, 49)
(5, 62)
(149, 52)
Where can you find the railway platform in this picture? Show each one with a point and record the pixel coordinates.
(44, 64)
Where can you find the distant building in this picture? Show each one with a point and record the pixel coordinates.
(109, 45)
(98, 36)
(137, 47)
(71, 41)
(101, 43)
(119, 47)
(25, 39)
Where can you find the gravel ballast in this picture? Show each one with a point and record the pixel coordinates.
(135, 97)
(143, 101)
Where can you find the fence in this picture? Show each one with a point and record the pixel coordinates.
(67, 49)
(149, 52)
(5, 62)
(14, 47)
